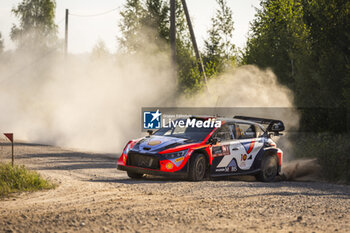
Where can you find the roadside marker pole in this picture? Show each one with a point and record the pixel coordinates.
(10, 137)
(66, 34)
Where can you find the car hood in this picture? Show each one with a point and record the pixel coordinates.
(155, 144)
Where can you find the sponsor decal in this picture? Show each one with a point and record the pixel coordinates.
(220, 170)
(221, 150)
(248, 146)
(169, 166)
(179, 159)
(231, 167)
(245, 157)
(154, 143)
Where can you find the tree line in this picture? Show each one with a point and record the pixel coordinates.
(307, 44)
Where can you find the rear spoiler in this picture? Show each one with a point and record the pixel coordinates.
(275, 126)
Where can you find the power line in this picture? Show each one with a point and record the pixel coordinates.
(60, 21)
(95, 15)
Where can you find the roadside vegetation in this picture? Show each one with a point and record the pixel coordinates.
(19, 179)
(306, 43)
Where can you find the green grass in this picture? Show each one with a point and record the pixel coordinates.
(19, 179)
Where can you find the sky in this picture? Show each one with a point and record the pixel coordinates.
(85, 32)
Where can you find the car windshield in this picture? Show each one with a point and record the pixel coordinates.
(191, 132)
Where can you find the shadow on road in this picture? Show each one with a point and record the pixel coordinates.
(72, 160)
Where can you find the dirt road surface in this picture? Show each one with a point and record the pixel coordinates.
(93, 196)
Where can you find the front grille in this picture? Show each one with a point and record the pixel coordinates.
(144, 161)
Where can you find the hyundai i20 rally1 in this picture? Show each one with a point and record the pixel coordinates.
(237, 146)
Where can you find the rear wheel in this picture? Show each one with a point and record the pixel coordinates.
(134, 175)
(198, 168)
(268, 169)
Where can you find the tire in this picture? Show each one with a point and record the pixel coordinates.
(198, 168)
(269, 169)
(134, 175)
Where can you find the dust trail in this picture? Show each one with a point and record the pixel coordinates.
(302, 170)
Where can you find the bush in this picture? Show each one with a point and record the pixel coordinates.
(18, 179)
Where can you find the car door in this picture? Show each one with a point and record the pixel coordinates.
(247, 145)
(221, 152)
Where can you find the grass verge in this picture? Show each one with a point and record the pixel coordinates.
(19, 179)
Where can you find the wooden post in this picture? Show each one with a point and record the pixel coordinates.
(10, 137)
(173, 29)
(13, 156)
(66, 35)
(194, 42)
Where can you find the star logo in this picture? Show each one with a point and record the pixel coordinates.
(156, 115)
(152, 120)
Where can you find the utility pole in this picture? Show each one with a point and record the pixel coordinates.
(194, 42)
(66, 35)
(173, 30)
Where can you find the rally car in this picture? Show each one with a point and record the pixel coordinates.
(238, 146)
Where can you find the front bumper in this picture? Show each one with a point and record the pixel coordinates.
(181, 174)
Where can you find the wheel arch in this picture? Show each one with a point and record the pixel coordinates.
(202, 151)
(264, 153)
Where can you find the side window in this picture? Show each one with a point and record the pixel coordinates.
(259, 131)
(244, 131)
(224, 133)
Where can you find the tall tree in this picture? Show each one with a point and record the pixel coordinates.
(131, 26)
(36, 28)
(219, 48)
(329, 23)
(100, 51)
(146, 23)
(157, 17)
(278, 36)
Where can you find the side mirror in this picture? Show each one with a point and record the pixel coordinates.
(150, 132)
(276, 127)
(214, 140)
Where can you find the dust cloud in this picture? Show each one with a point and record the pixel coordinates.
(82, 101)
(302, 170)
(249, 89)
(93, 102)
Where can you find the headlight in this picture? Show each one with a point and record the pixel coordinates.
(175, 154)
(127, 148)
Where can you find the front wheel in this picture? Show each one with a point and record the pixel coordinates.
(268, 169)
(134, 175)
(198, 168)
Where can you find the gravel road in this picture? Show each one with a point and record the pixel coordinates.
(93, 196)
